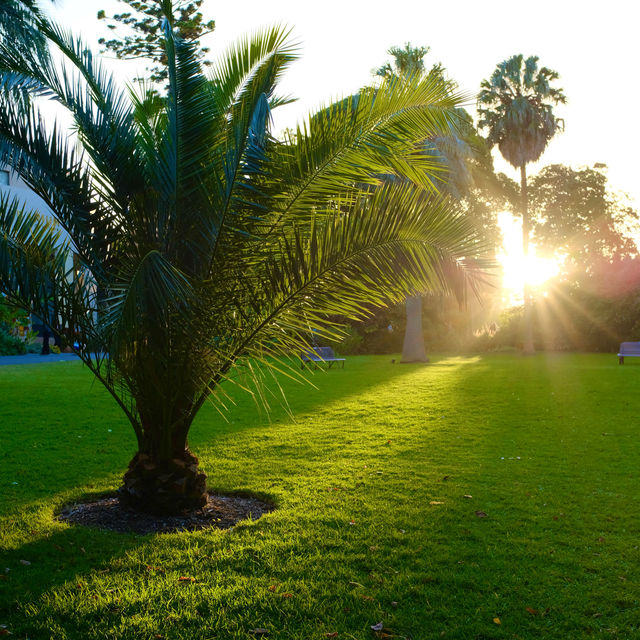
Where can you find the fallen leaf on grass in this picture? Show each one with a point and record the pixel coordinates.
(159, 636)
(5, 632)
(356, 584)
(368, 598)
(382, 632)
(259, 632)
(481, 514)
(186, 579)
(435, 502)
(26, 563)
(352, 522)
(332, 634)
(467, 496)
(287, 595)
(533, 612)
(601, 539)
(496, 621)
(394, 604)
(272, 587)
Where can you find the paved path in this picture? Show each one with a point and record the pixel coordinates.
(35, 358)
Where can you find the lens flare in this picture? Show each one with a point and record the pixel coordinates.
(518, 270)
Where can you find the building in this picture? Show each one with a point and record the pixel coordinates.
(13, 187)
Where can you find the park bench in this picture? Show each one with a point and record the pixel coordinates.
(630, 349)
(319, 355)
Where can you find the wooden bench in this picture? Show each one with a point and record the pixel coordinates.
(319, 355)
(629, 349)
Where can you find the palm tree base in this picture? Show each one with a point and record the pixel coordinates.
(164, 488)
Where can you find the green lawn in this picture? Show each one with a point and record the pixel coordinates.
(372, 524)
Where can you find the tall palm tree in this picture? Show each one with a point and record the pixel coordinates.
(516, 106)
(206, 249)
(453, 148)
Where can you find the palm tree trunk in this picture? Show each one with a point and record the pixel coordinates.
(413, 346)
(527, 332)
(164, 477)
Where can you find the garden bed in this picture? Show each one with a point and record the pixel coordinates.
(220, 512)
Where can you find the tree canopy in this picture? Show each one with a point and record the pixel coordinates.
(516, 107)
(144, 39)
(575, 213)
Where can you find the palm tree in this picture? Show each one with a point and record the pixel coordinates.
(516, 106)
(206, 249)
(452, 148)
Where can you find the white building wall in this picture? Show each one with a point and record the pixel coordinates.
(12, 186)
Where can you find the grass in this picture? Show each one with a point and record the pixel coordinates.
(372, 524)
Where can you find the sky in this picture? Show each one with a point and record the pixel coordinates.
(593, 45)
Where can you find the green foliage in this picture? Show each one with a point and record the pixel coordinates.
(470, 176)
(574, 213)
(11, 345)
(516, 106)
(559, 536)
(407, 62)
(594, 314)
(447, 326)
(144, 20)
(10, 319)
(205, 247)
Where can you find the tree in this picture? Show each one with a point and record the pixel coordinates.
(461, 154)
(207, 250)
(516, 106)
(575, 214)
(146, 40)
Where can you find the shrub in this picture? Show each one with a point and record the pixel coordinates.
(11, 345)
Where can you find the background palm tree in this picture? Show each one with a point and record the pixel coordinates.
(516, 106)
(456, 149)
(207, 249)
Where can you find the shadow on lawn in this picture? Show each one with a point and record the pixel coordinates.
(63, 430)
(53, 559)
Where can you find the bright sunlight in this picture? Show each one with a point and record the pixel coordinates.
(517, 270)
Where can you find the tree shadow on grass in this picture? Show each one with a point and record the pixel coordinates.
(53, 558)
(61, 430)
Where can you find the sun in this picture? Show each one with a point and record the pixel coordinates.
(518, 271)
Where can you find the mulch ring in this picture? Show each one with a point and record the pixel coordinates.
(220, 512)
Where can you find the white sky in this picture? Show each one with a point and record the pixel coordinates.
(594, 45)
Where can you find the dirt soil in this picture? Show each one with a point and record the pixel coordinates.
(220, 512)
